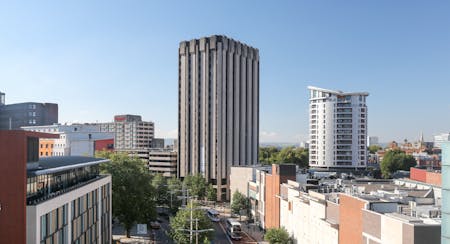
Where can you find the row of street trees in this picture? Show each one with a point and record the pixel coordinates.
(287, 155)
(133, 194)
(137, 194)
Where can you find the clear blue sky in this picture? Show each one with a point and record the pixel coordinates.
(100, 58)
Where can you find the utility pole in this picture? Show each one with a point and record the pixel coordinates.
(191, 219)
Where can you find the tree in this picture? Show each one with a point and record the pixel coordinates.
(268, 155)
(239, 203)
(196, 185)
(159, 182)
(180, 224)
(211, 193)
(395, 160)
(292, 155)
(175, 190)
(132, 192)
(277, 236)
(374, 148)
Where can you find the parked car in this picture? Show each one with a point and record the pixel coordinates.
(155, 225)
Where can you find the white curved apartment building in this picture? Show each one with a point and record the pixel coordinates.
(337, 129)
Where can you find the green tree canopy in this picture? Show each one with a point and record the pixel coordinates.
(196, 185)
(277, 236)
(211, 193)
(132, 191)
(287, 155)
(292, 155)
(374, 148)
(239, 202)
(175, 187)
(181, 222)
(159, 182)
(268, 155)
(394, 160)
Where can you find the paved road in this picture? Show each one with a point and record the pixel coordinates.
(160, 235)
(221, 236)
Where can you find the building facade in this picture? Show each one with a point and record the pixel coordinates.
(218, 119)
(68, 201)
(54, 199)
(445, 192)
(337, 129)
(74, 139)
(130, 132)
(14, 116)
(163, 161)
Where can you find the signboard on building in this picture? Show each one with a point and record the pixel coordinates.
(142, 229)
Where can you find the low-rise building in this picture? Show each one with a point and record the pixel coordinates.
(14, 116)
(74, 139)
(163, 161)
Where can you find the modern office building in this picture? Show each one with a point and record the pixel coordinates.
(74, 139)
(130, 132)
(163, 161)
(14, 116)
(218, 118)
(337, 129)
(54, 199)
(445, 192)
(439, 139)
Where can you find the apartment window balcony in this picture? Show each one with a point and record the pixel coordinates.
(344, 137)
(344, 110)
(348, 142)
(344, 121)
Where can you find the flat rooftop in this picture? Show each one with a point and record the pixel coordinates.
(49, 165)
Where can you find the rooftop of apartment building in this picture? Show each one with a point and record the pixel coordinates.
(409, 203)
(53, 176)
(337, 92)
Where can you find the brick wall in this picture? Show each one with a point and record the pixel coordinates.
(350, 219)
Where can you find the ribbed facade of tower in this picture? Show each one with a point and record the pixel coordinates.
(218, 108)
(337, 129)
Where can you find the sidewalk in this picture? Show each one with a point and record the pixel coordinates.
(254, 231)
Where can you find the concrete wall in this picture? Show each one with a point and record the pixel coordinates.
(371, 226)
(239, 178)
(392, 231)
(304, 219)
(332, 214)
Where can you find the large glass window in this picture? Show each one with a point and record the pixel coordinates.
(53, 227)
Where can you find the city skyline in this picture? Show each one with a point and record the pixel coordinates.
(78, 55)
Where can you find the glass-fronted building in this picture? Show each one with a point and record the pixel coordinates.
(68, 201)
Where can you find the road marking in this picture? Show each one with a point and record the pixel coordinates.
(226, 234)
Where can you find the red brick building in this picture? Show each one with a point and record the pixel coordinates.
(17, 148)
(104, 145)
(426, 176)
(280, 174)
